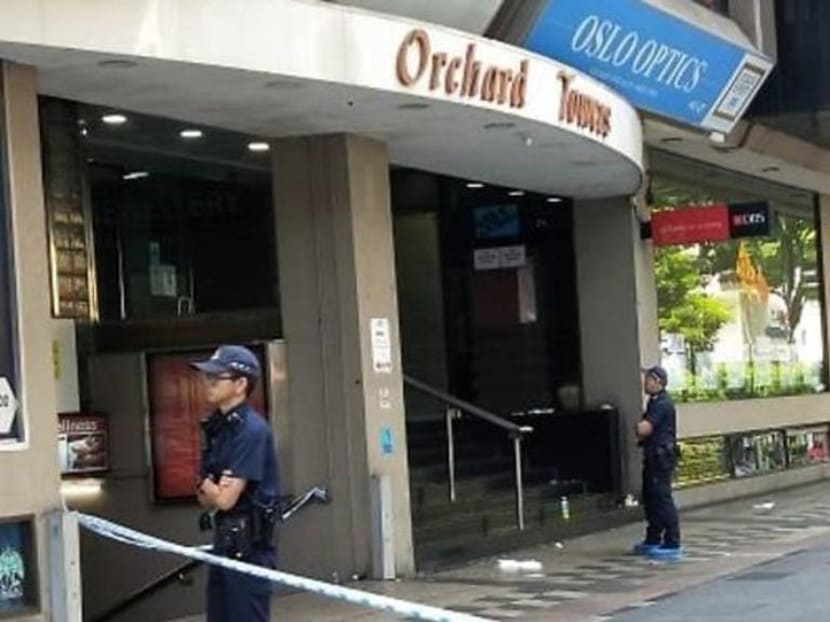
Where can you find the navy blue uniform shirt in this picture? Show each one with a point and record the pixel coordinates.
(661, 415)
(245, 446)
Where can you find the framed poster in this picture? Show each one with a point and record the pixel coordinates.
(83, 443)
(18, 570)
(177, 407)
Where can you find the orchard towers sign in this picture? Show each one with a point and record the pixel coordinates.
(466, 77)
(581, 109)
(460, 75)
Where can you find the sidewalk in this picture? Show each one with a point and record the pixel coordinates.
(592, 577)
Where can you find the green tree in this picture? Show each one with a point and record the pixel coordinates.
(787, 260)
(682, 307)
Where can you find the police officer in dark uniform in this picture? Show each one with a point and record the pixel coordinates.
(657, 435)
(238, 486)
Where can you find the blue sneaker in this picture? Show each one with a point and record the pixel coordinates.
(644, 548)
(666, 553)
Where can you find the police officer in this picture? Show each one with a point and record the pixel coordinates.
(238, 486)
(657, 435)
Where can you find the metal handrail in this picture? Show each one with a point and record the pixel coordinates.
(454, 408)
(177, 574)
(467, 407)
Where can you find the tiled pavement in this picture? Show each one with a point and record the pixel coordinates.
(592, 578)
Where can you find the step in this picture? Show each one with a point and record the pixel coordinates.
(442, 553)
(437, 455)
(540, 508)
(431, 493)
(480, 503)
(466, 468)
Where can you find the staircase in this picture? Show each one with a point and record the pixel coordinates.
(483, 519)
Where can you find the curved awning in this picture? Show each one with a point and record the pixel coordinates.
(442, 100)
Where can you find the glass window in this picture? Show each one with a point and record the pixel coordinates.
(147, 215)
(18, 585)
(741, 317)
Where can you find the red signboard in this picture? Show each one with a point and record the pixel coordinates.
(177, 405)
(82, 443)
(690, 225)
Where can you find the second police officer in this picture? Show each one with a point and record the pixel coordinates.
(657, 434)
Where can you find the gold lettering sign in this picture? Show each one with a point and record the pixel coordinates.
(463, 76)
(584, 111)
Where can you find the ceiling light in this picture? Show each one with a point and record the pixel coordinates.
(117, 63)
(554, 199)
(84, 131)
(499, 125)
(413, 106)
(135, 175)
(284, 85)
(259, 147)
(516, 193)
(770, 169)
(671, 139)
(81, 488)
(475, 184)
(191, 133)
(114, 119)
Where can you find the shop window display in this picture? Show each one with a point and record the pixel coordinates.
(807, 446)
(756, 454)
(702, 461)
(712, 459)
(17, 568)
(740, 318)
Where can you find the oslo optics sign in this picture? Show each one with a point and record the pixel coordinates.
(657, 60)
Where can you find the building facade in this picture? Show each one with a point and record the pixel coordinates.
(405, 216)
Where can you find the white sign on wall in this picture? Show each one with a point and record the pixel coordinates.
(381, 337)
(499, 257)
(8, 406)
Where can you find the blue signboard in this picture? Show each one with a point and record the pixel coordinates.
(658, 61)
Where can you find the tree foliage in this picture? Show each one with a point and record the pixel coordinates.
(787, 259)
(682, 307)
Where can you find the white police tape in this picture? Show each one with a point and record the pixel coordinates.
(410, 610)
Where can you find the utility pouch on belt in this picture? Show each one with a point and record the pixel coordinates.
(666, 457)
(233, 536)
(264, 523)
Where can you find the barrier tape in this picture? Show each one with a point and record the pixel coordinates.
(410, 610)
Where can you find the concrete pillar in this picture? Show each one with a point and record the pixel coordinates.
(345, 395)
(823, 241)
(757, 19)
(34, 487)
(617, 315)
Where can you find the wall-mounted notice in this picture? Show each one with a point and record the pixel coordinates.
(381, 345)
